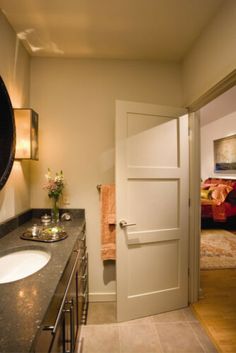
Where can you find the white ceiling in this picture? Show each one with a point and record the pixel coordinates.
(120, 29)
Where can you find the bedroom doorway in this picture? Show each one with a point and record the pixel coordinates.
(216, 305)
(218, 187)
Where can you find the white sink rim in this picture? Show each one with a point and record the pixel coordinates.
(19, 263)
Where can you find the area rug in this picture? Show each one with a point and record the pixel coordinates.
(218, 249)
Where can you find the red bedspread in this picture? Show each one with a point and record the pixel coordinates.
(219, 213)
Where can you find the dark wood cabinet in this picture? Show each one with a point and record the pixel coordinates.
(68, 308)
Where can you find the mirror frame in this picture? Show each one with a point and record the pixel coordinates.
(7, 134)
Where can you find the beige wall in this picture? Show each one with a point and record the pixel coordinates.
(15, 70)
(76, 104)
(213, 55)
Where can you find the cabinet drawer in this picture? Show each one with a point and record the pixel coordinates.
(83, 303)
(82, 239)
(83, 263)
(83, 290)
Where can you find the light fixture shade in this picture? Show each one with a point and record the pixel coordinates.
(26, 121)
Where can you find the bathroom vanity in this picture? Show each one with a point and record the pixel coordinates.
(44, 311)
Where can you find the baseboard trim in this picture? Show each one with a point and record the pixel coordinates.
(102, 297)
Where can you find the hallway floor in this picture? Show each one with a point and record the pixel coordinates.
(174, 332)
(217, 307)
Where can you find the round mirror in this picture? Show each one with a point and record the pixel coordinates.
(7, 134)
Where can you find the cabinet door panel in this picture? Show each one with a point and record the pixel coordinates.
(70, 298)
(58, 344)
(48, 342)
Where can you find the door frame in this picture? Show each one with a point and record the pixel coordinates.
(195, 177)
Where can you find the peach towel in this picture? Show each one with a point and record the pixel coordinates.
(220, 192)
(108, 222)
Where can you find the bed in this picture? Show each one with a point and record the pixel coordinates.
(218, 202)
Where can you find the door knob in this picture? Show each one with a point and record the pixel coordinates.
(124, 224)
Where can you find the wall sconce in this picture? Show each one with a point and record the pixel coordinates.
(26, 121)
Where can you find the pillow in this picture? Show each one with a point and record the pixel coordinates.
(207, 185)
(206, 194)
(220, 192)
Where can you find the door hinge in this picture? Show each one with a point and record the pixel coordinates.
(189, 202)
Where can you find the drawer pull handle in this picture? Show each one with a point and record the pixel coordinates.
(83, 295)
(83, 277)
(83, 238)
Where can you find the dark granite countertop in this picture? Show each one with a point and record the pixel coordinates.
(23, 303)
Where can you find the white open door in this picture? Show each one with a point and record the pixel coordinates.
(151, 193)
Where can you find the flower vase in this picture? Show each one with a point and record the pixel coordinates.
(55, 211)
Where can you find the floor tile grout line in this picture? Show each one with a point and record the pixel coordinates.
(119, 339)
(155, 333)
(158, 336)
(197, 338)
(115, 329)
(186, 317)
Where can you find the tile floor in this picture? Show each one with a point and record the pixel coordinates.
(174, 332)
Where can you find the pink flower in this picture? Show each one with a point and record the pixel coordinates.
(54, 185)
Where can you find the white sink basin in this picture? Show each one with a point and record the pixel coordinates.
(22, 263)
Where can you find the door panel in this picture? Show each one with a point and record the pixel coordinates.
(155, 194)
(156, 254)
(149, 137)
(152, 193)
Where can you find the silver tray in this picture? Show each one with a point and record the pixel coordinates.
(44, 235)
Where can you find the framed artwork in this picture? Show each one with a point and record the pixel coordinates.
(225, 154)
